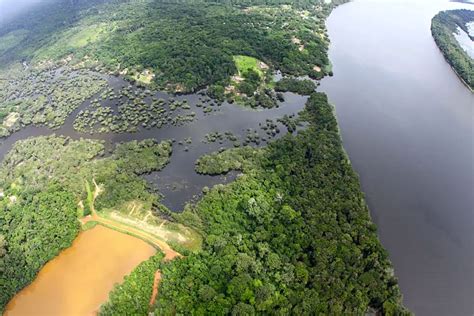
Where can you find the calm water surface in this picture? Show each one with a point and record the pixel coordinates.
(178, 182)
(407, 124)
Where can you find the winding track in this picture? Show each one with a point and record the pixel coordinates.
(151, 239)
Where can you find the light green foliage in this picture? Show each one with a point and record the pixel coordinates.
(443, 25)
(133, 112)
(132, 297)
(73, 39)
(244, 63)
(71, 163)
(232, 159)
(32, 163)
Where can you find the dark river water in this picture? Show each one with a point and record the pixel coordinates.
(178, 182)
(407, 125)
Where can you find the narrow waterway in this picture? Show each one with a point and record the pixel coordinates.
(80, 278)
(407, 125)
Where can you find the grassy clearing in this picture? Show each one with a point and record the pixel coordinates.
(89, 34)
(71, 40)
(11, 119)
(145, 77)
(145, 220)
(244, 63)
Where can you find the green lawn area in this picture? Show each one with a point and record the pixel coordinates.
(86, 35)
(244, 63)
(72, 40)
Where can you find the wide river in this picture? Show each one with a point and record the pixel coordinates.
(407, 125)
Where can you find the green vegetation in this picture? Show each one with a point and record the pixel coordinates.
(133, 111)
(251, 86)
(179, 46)
(73, 38)
(132, 297)
(291, 122)
(303, 87)
(12, 39)
(246, 64)
(292, 235)
(35, 228)
(35, 162)
(232, 159)
(43, 96)
(443, 27)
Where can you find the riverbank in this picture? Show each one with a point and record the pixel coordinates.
(409, 137)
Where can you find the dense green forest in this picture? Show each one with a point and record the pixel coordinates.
(34, 229)
(443, 27)
(292, 235)
(178, 46)
(303, 87)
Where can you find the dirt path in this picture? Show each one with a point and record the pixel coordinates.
(156, 283)
(164, 247)
(170, 254)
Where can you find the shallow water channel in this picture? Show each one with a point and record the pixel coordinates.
(178, 182)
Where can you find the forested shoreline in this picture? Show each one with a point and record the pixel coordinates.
(443, 27)
(291, 234)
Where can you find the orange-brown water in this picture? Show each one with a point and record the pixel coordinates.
(80, 278)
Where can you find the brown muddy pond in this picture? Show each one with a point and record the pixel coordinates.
(80, 278)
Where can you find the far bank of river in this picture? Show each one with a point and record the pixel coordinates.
(80, 278)
(407, 123)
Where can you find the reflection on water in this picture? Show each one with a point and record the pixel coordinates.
(407, 125)
(79, 280)
(465, 41)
